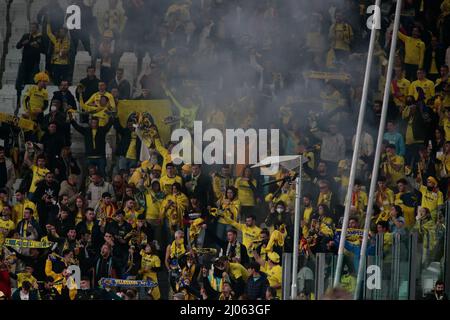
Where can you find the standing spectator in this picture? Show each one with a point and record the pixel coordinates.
(53, 144)
(394, 137)
(122, 84)
(438, 293)
(434, 59)
(36, 99)
(97, 188)
(7, 172)
(257, 283)
(88, 30)
(89, 85)
(341, 37)
(414, 52)
(94, 142)
(32, 46)
(129, 147)
(60, 55)
(65, 96)
(66, 165)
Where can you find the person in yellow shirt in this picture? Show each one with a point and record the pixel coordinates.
(150, 264)
(446, 124)
(432, 198)
(131, 213)
(250, 232)
(414, 52)
(39, 169)
(168, 180)
(36, 98)
(222, 181)
(99, 111)
(273, 270)
(359, 200)
(341, 37)
(230, 205)
(94, 100)
(307, 214)
(246, 186)
(399, 87)
(6, 224)
(21, 204)
(384, 197)
(60, 55)
(393, 166)
(424, 83)
(173, 208)
(407, 201)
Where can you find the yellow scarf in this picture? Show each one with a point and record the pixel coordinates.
(177, 249)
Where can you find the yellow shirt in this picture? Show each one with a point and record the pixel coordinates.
(38, 175)
(20, 207)
(306, 217)
(131, 152)
(249, 234)
(149, 262)
(275, 276)
(95, 99)
(414, 50)
(426, 85)
(5, 228)
(175, 214)
(21, 277)
(446, 125)
(393, 174)
(153, 207)
(167, 182)
(167, 157)
(431, 200)
(38, 98)
(60, 48)
(341, 34)
(403, 87)
(245, 193)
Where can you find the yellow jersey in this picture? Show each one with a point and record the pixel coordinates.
(38, 175)
(431, 200)
(167, 182)
(6, 226)
(37, 99)
(245, 192)
(427, 87)
(20, 207)
(414, 50)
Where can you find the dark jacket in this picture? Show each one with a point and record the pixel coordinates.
(34, 224)
(31, 55)
(100, 139)
(34, 295)
(65, 97)
(90, 86)
(125, 140)
(66, 167)
(53, 144)
(439, 58)
(124, 87)
(243, 256)
(257, 289)
(203, 190)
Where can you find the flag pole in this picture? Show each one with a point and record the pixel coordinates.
(362, 111)
(376, 164)
(298, 193)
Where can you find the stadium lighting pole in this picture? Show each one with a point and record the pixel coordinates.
(362, 111)
(376, 164)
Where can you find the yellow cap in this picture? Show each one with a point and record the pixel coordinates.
(41, 76)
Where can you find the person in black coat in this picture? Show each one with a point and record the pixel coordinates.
(434, 53)
(53, 144)
(438, 293)
(121, 84)
(257, 283)
(46, 197)
(198, 185)
(32, 46)
(90, 84)
(65, 165)
(65, 96)
(95, 149)
(27, 291)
